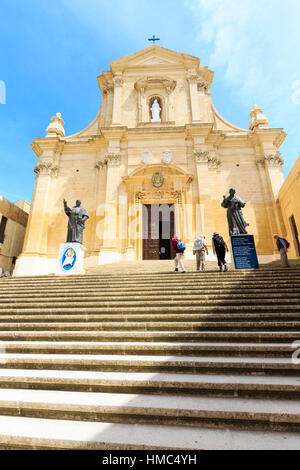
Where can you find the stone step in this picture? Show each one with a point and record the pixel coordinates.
(283, 415)
(140, 283)
(146, 348)
(193, 294)
(214, 302)
(161, 274)
(123, 294)
(106, 325)
(152, 336)
(161, 383)
(171, 278)
(133, 363)
(214, 352)
(159, 286)
(214, 269)
(271, 308)
(34, 433)
(82, 319)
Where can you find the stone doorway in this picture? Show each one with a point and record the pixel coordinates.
(295, 234)
(158, 229)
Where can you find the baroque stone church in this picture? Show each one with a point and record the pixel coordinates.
(156, 160)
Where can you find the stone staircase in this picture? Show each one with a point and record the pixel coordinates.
(150, 360)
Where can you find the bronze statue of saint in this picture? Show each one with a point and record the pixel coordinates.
(236, 222)
(77, 217)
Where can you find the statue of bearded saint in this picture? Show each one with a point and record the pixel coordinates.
(236, 222)
(155, 111)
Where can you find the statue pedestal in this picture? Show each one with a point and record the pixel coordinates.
(70, 259)
(244, 252)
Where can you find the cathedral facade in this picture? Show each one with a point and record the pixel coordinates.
(155, 161)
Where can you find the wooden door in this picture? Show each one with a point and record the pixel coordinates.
(166, 231)
(158, 228)
(151, 249)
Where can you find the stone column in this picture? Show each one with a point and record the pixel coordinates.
(179, 217)
(202, 159)
(33, 260)
(268, 200)
(274, 164)
(118, 84)
(98, 221)
(109, 252)
(192, 79)
(273, 168)
(108, 104)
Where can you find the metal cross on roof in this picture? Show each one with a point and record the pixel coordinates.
(154, 39)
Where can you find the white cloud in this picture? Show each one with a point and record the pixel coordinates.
(254, 45)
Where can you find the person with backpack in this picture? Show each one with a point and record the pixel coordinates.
(282, 245)
(179, 248)
(199, 250)
(220, 248)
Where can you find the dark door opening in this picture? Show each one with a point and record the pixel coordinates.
(158, 228)
(295, 234)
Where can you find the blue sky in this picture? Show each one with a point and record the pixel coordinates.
(51, 53)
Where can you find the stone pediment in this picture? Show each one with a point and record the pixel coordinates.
(155, 56)
(154, 61)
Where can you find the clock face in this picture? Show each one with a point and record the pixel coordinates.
(157, 179)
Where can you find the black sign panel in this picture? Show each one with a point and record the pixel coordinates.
(244, 252)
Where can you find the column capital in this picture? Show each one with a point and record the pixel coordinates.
(212, 160)
(108, 88)
(118, 80)
(274, 160)
(201, 156)
(99, 165)
(113, 159)
(46, 167)
(214, 163)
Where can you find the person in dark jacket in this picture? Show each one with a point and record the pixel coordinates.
(179, 254)
(220, 248)
(282, 248)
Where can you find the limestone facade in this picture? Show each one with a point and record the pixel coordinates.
(13, 221)
(110, 165)
(289, 197)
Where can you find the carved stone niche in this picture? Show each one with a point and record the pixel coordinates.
(150, 88)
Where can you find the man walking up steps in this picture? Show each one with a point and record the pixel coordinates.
(179, 248)
(220, 248)
(199, 250)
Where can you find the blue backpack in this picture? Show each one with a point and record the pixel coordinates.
(181, 246)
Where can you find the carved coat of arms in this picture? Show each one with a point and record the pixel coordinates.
(157, 179)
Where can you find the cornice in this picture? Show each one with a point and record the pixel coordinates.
(277, 135)
(154, 82)
(42, 144)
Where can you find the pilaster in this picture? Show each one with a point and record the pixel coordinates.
(118, 85)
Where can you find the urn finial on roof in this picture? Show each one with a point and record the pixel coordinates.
(258, 119)
(55, 127)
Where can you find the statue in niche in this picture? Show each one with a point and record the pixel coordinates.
(236, 222)
(155, 111)
(77, 217)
